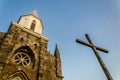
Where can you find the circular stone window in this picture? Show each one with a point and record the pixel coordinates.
(22, 58)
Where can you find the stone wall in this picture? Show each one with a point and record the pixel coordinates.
(2, 35)
(42, 65)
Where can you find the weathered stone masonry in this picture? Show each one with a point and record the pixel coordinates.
(23, 52)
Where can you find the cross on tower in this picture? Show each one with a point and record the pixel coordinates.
(95, 48)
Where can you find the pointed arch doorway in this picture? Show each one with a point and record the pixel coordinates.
(16, 78)
(20, 75)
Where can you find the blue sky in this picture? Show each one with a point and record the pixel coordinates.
(66, 20)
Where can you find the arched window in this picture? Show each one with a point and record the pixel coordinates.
(32, 27)
(24, 56)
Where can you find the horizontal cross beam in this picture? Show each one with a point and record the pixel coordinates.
(90, 45)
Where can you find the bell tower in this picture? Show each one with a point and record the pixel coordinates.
(31, 21)
(23, 52)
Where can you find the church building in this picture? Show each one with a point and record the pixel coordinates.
(23, 52)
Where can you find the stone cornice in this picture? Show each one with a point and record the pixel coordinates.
(30, 31)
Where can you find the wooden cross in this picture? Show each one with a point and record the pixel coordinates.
(95, 48)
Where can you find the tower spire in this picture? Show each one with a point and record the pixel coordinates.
(34, 13)
(58, 63)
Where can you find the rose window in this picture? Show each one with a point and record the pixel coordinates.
(22, 58)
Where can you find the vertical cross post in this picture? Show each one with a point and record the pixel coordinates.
(95, 48)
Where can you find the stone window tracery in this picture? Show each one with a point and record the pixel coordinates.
(22, 58)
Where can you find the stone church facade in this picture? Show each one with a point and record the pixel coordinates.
(23, 52)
